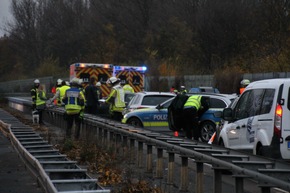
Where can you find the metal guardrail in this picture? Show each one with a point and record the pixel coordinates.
(54, 172)
(267, 173)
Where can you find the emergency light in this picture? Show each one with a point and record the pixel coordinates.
(136, 68)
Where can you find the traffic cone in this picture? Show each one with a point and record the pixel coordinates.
(175, 133)
(212, 138)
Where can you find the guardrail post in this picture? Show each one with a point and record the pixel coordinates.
(132, 150)
(199, 177)
(239, 184)
(111, 140)
(125, 145)
(170, 167)
(159, 164)
(149, 165)
(217, 180)
(105, 137)
(184, 174)
(140, 154)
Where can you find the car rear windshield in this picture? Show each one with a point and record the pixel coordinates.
(154, 99)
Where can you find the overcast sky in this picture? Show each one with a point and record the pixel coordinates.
(4, 14)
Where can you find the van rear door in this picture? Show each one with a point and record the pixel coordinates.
(285, 130)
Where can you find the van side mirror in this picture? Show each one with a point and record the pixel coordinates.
(227, 114)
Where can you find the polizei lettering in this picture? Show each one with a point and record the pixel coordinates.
(160, 117)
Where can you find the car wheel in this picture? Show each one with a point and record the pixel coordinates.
(135, 122)
(207, 130)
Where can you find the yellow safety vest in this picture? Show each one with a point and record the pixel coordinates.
(62, 91)
(119, 103)
(128, 88)
(72, 100)
(193, 101)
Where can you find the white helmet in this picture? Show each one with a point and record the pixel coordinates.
(183, 87)
(112, 80)
(245, 82)
(59, 81)
(98, 84)
(80, 81)
(36, 81)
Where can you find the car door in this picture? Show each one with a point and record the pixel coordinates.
(237, 130)
(159, 117)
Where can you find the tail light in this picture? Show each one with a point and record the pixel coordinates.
(176, 133)
(278, 120)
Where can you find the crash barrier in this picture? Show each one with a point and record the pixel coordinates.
(140, 144)
(53, 170)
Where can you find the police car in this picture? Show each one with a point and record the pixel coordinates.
(157, 118)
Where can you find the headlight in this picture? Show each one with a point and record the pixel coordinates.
(125, 116)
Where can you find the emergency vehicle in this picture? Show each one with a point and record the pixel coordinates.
(101, 72)
(135, 75)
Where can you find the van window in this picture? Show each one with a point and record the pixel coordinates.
(267, 101)
(249, 104)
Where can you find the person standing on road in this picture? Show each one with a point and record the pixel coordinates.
(183, 90)
(38, 97)
(56, 98)
(116, 98)
(244, 83)
(92, 99)
(74, 103)
(127, 87)
(193, 108)
(99, 90)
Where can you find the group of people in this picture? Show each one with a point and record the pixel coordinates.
(76, 99)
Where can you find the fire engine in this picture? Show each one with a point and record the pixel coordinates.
(135, 75)
(101, 72)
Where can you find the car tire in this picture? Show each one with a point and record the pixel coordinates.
(207, 129)
(135, 122)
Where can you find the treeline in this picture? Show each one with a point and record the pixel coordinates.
(171, 37)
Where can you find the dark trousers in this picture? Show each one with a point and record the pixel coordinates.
(92, 109)
(116, 115)
(191, 123)
(40, 115)
(70, 120)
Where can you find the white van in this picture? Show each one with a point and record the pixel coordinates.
(260, 120)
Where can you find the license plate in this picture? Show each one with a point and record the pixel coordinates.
(288, 143)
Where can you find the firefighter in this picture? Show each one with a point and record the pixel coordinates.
(62, 91)
(127, 87)
(244, 84)
(38, 97)
(100, 94)
(193, 108)
(116, 98)
(56, 98)
(92, 99)
(74, 103)
(183, 90)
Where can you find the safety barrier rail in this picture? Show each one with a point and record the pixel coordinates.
(265, 172)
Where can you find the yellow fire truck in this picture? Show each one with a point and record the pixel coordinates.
(135, 75)
(101, 72)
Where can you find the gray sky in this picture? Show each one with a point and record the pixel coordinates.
(4, 14)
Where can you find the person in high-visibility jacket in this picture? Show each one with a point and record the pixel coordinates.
(244, 83)
(193, 108)
(127, 87)
(38, 97)
(62, 91)
(56, 98)
(116, 98)
(74, 103)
